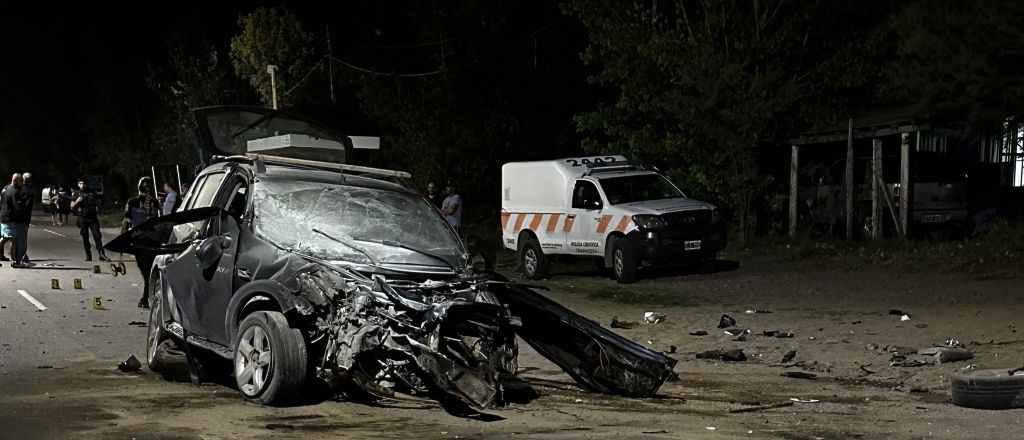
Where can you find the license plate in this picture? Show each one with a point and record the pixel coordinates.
(692, 245)
(933, 218)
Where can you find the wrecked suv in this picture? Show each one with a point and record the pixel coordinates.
(291, 270)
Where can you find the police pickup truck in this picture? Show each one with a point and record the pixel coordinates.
(608, 209)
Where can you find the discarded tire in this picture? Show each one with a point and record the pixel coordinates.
(988, 389)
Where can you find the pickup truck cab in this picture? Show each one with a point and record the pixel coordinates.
(605, 208)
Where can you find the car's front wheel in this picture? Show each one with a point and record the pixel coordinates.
(270, 361)
(155, 333)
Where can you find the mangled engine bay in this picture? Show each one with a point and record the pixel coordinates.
(453, 341)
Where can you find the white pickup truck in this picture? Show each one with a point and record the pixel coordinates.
(606, 208)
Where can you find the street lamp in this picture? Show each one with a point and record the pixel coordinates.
(272, 69)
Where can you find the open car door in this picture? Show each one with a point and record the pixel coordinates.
(152, 235)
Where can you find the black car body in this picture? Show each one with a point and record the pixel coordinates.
(290, 269)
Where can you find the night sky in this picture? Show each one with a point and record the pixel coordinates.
(52, 58)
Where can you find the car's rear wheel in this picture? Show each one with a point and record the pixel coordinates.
(623, 261)
(533, 261)
(270, 361)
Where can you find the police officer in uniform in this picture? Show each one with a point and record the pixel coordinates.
(87, 211)
(138, 210)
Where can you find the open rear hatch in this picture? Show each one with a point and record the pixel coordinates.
(237, 130)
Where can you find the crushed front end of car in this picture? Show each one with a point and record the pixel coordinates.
(454, 340)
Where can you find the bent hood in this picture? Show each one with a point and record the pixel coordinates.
(661, 207)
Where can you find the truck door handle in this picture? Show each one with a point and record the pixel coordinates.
(597, 219)
(571, 216)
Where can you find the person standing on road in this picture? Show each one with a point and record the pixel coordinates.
(28, 201)
(84, 206)
(63, 204)
(171, 201)
(138, 210)
(434, 195)
(452, 207)
(54, 199)
(10, 208)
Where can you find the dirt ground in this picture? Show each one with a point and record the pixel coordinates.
(842, 330)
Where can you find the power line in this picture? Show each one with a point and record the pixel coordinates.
(361, 69)
(307, 76)
(410, 46)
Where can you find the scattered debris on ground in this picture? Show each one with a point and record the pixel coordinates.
(727, 356)
(654, 317)
(760, 408)
(129, 365)
(623, 324)
(699, 333)
(726, 321)
(799, 375)
(788, 356)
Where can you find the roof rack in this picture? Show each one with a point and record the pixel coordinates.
(287, 161)
(603, 167)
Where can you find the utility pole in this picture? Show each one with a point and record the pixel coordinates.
(330, 63)
(272, 69)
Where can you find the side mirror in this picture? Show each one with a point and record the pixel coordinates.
(592, 204)
(210, 251)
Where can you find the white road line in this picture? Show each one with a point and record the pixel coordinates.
(32, 300)
(56, 233)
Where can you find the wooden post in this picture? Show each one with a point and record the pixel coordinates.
(876, 190)
(905, 190)
(849, 184)
(793, 165)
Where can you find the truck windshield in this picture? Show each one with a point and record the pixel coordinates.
(354, 224)
(639, 188)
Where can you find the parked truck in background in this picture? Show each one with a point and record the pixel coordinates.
(608, 209)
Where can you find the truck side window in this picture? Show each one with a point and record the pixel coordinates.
(583, 192)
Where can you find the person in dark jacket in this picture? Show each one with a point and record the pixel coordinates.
(86, 209)
(137, 211)
(11, 212)
(27, 194)
(434, 194)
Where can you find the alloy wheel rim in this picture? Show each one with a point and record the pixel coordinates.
(253, 358)
(531, 261)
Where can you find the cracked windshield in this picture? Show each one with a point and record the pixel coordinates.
(347, 223)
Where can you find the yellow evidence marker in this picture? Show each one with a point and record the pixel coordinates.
(78, 283)
(55, 284)
(97, 303)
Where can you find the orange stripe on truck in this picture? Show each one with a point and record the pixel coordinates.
(568, 223)
(603, 226)
(504, 220)
(553, 222)
(536, 222)
(519, 222)
(623, 224)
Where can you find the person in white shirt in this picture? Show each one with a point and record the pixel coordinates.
(452, 207)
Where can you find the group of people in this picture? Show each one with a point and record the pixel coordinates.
(16, 202)
(60, 205)
(449, 203)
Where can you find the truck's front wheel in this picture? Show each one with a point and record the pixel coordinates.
(533, 261)
(623, 261)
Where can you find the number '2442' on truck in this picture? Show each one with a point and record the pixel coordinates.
(608, 209)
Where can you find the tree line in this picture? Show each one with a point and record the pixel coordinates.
(709, 91)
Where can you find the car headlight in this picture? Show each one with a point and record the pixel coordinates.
(716, 215)
(648, 221)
